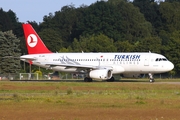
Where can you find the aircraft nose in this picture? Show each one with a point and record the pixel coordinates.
(170, 66)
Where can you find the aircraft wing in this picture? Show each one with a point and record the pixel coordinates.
(68, 66)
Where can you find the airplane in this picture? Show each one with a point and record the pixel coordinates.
(96, 66)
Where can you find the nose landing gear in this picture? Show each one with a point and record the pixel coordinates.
(151, 79)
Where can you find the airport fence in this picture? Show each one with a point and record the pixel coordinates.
(36, 76)
(65, 76)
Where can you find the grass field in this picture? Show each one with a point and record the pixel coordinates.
(126, 100)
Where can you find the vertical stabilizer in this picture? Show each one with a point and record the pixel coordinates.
(33, 42)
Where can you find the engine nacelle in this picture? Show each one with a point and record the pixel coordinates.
(102, 74)
(132, 75)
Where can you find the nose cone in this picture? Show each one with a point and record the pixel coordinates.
(170, 66)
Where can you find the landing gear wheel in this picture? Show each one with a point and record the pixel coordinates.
(151, 80)
(86, 79)
(111, 79)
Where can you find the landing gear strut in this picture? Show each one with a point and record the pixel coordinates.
(151, 79)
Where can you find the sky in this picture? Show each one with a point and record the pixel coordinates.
(35, 10)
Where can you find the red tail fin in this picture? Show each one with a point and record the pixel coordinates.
(33, 42)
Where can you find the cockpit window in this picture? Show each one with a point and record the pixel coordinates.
(164, 59)
(161, 59)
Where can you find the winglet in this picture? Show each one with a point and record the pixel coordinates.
(33, 42)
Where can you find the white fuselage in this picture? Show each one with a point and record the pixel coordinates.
(140, 63)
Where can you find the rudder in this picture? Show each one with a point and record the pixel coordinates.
(33, 42)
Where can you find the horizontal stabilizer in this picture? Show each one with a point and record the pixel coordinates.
(27, 58)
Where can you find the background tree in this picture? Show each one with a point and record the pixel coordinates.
(9, 21)
(147, 44)
(63, 23)
(172, 0)
(170, 16)
(63, 49)
(52, 39)
(9, 53)
(150, 9)
(133, 25)
(98, 43)
(98, 18)
(172, 50)
(124, 46)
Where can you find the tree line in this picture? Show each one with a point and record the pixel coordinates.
(104, 26)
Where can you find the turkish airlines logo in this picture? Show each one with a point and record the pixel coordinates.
(32, 40)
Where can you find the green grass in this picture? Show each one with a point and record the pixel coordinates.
(124, 90)
(95, 97)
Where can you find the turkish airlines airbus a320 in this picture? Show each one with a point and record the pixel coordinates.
(99, 66)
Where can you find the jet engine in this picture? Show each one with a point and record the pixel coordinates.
(101, 74)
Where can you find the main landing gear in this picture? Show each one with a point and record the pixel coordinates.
(111, 79)
(151, 79)
(87, 79)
